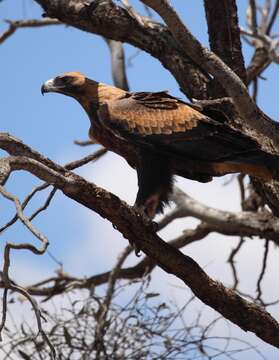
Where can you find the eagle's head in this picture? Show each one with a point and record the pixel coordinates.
(83, 89)
(70, 83)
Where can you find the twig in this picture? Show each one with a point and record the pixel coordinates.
(25, 221)
(255, 89)
(102, 313)
(145, 266)
(5, 275)
(240, 179)
(259, 289)
(70, 166)
(141, 20)
(231, 261)
(84, 142)
(14, 25)
(253, 10)
(4, 312)
(273, 18)
(44, 206)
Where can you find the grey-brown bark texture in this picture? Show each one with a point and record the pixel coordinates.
(193, 67)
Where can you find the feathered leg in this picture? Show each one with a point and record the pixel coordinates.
(155, 181)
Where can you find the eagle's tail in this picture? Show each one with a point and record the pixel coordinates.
(254, 163)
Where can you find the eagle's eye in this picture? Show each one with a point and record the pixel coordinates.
(67, 79)
(64, 80)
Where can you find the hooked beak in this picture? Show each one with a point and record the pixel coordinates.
(48, 86)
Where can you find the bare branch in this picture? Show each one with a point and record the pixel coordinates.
(4, 312)
(70, 166)
(242, 223)
(273, 17)
(262, 40)
(64, 282)
(224, 37)
(4, 170)
(252, 16)
(44, 206)
(135, 228)
(265, 45)
(259, 289)
(102, 313)
(260, 61)
(31, 23)
(118, 64)
(5, 274)
(231, 261)
(134, 14)
(25, 221)
(84, 142)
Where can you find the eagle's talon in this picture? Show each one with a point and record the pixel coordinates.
(135, 248)
(155, 226)
(143, 213)
(137, 251)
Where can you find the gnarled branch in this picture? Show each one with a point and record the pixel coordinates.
(137, 230)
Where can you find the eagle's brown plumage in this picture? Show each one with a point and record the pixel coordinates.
(161, 136)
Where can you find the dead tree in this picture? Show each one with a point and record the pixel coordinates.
(217, 81)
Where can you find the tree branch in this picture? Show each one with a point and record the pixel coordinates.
(31, 23)
(138, 230)
(224, 34)
(142, 268)
(273, 17)
(118, 64)
(114, 22)
(243, 223)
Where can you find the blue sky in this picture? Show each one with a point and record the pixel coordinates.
(85, 243)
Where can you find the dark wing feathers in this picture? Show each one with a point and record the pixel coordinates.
(156, 100)
(165, 119)
(169, 125)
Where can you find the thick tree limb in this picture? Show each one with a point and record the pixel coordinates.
(243, 223)
(250, 317)
(224, 34)
(114, 22)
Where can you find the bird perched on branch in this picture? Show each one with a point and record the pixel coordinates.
(162, 136)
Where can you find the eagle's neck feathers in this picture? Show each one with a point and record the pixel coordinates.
(97, 94)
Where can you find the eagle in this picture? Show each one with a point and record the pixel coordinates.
(162, 136)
